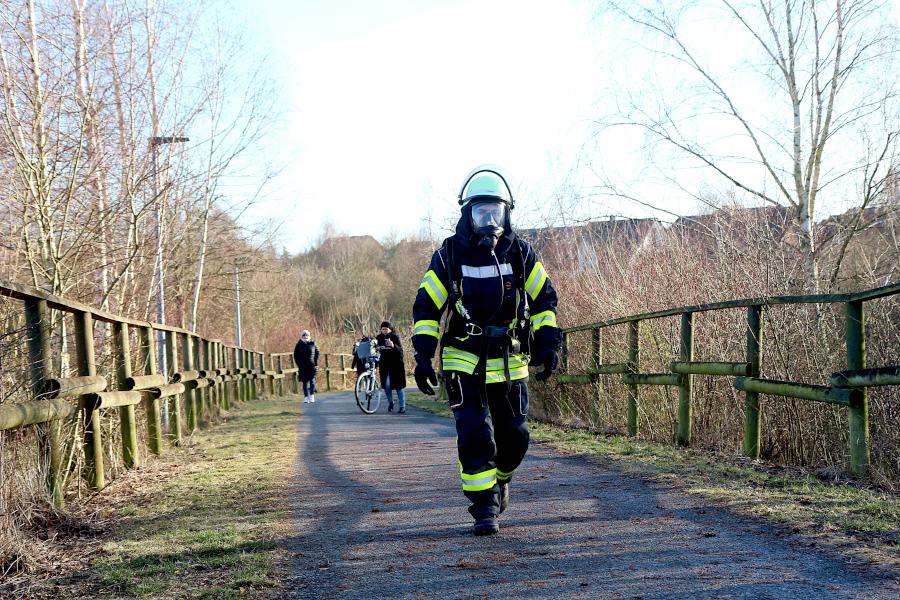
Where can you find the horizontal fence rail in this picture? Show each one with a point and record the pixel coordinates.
(202, 378)
(847, 388)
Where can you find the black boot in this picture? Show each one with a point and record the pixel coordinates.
(486, 526)
(504, 495)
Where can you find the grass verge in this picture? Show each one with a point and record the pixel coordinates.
(200, 522)
(857, 519)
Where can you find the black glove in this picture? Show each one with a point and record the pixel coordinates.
(549, 359)
(424, 373)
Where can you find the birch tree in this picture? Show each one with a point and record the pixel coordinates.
(800, 116)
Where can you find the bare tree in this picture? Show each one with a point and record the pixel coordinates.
(804, 114)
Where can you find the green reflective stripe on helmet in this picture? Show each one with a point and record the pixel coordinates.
(475, 482)
(485, 181)
(427, 327)
(542, 319)
(535, 280)
(435, 289)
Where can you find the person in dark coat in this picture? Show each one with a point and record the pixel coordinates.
(359, 363)
(391, 368)
(306, 357)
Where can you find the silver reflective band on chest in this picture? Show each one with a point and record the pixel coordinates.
(487, 271)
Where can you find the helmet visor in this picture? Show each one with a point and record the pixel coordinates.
(489, 214)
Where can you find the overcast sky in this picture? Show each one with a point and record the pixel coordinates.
(389, 104)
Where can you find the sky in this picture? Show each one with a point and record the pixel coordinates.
(388, 105)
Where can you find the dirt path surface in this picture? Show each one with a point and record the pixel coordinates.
(380, 514)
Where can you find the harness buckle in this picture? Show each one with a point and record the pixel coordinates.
(495, 331)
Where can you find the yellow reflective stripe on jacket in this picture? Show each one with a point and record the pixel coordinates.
(503, 475)
(500, 377)
(428, 327)
(476, 482)
(453, 365)
(515, 360)
(543, 319)
(435, 289)
(454, 359)
(535, 280)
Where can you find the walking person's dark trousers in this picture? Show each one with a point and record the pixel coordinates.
(492, 436)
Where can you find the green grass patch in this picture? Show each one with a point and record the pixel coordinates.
(205, 525)
(846, 512)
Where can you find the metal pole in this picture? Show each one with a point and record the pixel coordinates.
(161, 287)
(161, 364)
(237, 303)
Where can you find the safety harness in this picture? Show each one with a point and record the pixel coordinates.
(513, 333)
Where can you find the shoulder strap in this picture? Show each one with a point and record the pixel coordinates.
(455, 278)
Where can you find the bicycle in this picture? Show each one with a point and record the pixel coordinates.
(368, 390)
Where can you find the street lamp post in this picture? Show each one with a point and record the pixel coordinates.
(155, 142)
(237, 305)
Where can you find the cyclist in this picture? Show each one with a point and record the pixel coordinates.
(360, 363)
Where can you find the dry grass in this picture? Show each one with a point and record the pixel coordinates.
(202, 521)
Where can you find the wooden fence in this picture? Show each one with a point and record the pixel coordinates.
(203, 377)
(847, 388)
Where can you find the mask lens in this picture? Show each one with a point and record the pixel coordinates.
(488, 214)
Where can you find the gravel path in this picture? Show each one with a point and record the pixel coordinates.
(380, 514)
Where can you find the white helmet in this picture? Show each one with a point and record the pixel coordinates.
(485, 182)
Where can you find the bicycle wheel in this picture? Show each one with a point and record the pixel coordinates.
(360, 390)
(368, 394)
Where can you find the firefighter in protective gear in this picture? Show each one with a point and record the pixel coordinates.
(501, 311)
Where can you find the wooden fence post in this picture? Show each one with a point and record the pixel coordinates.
(327, 375)
(226, 385)
(127, 420)
(685, 354)
(859, 408)
(151, 404)
(199, 393)
(242, 387)
(634, 360)
(190, 393)
(752, 424)
(596, 361)
(254, 368)
(174, 401)
(37, 319)
(93, 439)
(236, 383)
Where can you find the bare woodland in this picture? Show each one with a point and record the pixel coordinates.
(84, 191)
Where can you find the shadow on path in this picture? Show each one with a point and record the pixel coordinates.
(380, 515)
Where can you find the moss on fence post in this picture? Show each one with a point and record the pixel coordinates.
(127, 420)
(685, 354)
(858, 412)
(37, 319)
(174, 401)
(634, 359)
(751, 399)
(93, 440)
(151, 404)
